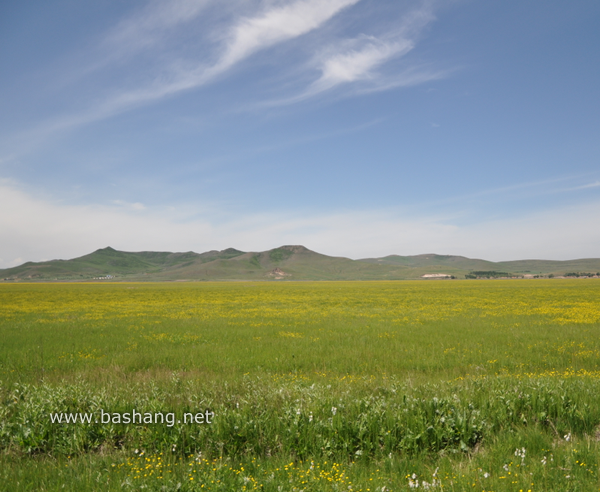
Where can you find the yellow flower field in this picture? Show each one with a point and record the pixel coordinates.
(367, 328)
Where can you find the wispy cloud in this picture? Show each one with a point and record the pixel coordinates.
(147, 27)
(548, 186)
(356, 59)
(275, 25)
(595, 184)
(240, 37)
(245, 37)
(170, 47)
(145, 32)
(356, 62)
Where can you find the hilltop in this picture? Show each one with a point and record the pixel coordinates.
(291, 262)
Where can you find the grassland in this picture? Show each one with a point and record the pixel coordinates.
(473, 385)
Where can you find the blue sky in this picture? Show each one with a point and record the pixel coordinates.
(357, 128)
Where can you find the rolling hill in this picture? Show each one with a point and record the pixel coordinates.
(283, 263)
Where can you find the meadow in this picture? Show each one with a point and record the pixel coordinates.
(487, 385)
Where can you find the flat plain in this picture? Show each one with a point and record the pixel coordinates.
(440, 385)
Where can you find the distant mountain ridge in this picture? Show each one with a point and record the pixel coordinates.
(290, 262)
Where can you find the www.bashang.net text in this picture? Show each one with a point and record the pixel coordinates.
(134, 417)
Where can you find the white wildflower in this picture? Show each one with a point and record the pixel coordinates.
(521, 454)
(413, 482)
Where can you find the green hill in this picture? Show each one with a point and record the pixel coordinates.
(419, 261)
(543, 266)
(283, 263)
(108, 261)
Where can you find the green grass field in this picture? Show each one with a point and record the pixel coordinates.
(373, 386)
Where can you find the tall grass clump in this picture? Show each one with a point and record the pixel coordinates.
(261, 418)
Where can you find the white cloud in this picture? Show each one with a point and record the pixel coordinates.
(356, 59)
(356, 62)
(275, 25)
(40, 228)
(166, 76)
(132, 206)
(219, 38)
(245, 37)
(16, 262)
